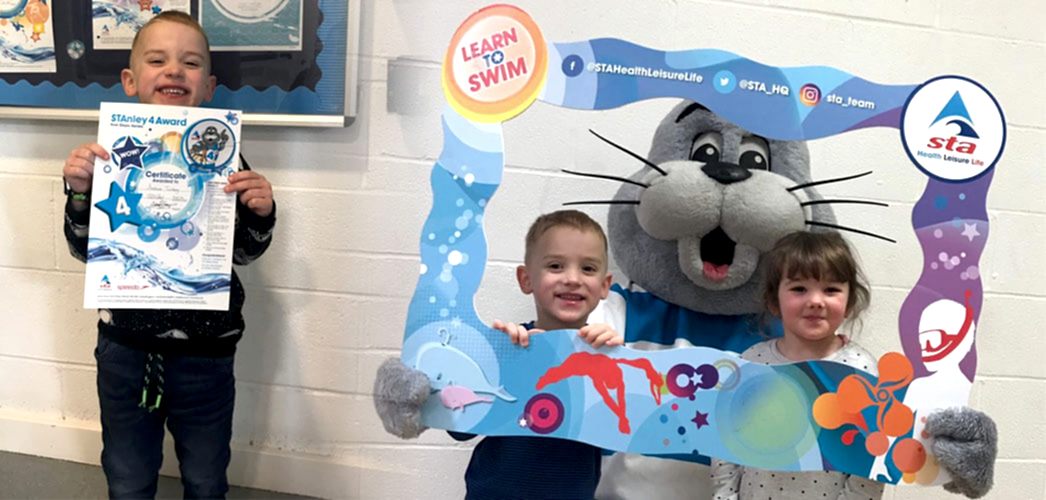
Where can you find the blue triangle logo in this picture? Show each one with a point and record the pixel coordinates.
(956, 110)
(955, 107)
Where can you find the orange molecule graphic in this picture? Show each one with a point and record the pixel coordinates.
(828, 413)
(909, 456)
(892, 418)
(877, 443)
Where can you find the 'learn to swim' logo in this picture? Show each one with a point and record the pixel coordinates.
(941, 135)
(496, 64)
(105, 284)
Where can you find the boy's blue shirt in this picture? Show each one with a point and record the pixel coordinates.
(505, 467)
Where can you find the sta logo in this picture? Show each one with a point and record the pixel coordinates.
(954, 114)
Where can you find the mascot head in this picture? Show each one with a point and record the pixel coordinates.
(710, 201)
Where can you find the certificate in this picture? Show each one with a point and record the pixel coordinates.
(26, 37)
(252, 25)
(161, 233)
(115, 22)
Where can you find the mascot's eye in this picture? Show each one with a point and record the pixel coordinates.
(706, 147)
(755, 153)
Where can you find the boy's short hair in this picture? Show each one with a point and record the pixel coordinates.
(821, 256)
(179, 17)
(562, 218)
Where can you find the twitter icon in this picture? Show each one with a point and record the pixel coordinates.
(724, 82)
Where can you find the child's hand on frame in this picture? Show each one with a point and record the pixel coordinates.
(78, 170)
(601, 334)
(254, 190)
(518, 334)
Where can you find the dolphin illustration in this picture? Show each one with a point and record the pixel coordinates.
(446, 366)
(458, 397)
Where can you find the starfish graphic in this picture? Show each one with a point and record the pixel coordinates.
(121, 206)
(129, 154)
(970, 231)
(700, 419)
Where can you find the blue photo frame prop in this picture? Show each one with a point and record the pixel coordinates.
(696, 402)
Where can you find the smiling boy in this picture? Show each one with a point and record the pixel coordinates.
(566, 270)
(188, 353)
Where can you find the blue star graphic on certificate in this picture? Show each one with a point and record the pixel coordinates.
(232, 118)
(121, 206)
(130, 154)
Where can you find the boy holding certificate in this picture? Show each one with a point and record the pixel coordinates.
(169, 366)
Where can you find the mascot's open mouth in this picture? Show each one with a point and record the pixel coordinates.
(717, 253)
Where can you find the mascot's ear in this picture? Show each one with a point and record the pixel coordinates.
(689, 110)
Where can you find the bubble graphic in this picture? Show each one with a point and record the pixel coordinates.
(543, 413)
(75, 49)
(148, 232)
(172, 244)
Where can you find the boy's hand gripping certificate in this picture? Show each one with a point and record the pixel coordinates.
(161, 232)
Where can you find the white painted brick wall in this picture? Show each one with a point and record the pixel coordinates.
(327, 304)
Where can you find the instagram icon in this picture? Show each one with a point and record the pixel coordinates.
(810, 94)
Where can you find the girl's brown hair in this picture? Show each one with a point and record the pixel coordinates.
(820, 256)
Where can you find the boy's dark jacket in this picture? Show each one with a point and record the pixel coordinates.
(180, 331)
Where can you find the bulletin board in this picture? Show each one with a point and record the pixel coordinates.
(314, 85)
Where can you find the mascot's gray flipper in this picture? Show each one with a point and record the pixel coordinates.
(399, 394)
(965, 443)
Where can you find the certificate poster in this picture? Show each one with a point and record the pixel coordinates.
(252, 25)
(115, 22)
(26, 37)
(161, 233)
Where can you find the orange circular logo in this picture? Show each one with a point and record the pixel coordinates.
(496, 64)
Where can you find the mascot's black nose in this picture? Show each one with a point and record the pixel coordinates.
(726, 173)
